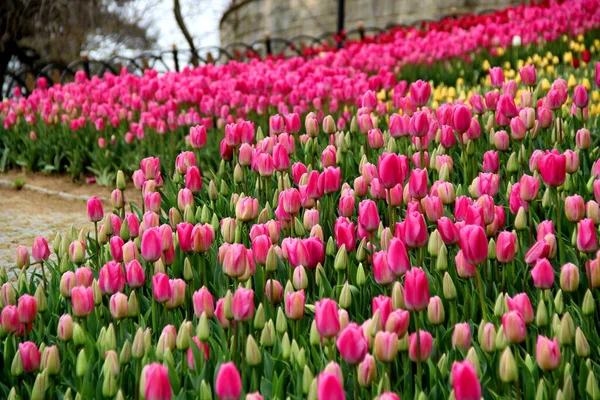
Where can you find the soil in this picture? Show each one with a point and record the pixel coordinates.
(26, 214)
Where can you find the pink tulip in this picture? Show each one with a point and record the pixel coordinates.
(273, 291)
(198, 136)
(204, 350)
(506, 247)
(22, 257)
(425, 344)
(329, 387)
(40, 250)
(151, 245)
(94, 209)
(514, 327)
(398, 260)
(543, 274)
(326, 317)
(229, 384)
(391, 169)
(155, 382)
(528, 75)
(415, 233)
(203, 302)
(368, 215)
(397, 322)
(420, 92)
(416, 290)
(202, 237)
(111, 278)
(497, 77)
(150, 167)
(448, 230)
(461, 118)
(461, 336)
(540, 249)
(351, 344)
(383, 304)
(237, 261)
(547, 353)
(465, 382)
(580, 96)
(521, 303)
(345, 234)
(30, 356)
(161, 288)
(246, 209)
(27, 309)
(473, 243)
(9, 319)
(82, 300)
(381, 270)
(243, 304)
(135, 274)
(587, 241)
(552, 167)
(294, 305)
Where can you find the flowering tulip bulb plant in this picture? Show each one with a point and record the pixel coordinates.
(357, 237)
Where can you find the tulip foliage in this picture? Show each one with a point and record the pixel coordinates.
(425, 249)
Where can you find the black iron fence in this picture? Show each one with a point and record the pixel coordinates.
(25, 76)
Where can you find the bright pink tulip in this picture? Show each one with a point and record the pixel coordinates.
(351, 344)
(491, 161)
(473, 243)
(461, 118)
(580, 96)
(326, 317)
(542, 274)
(425, 344)
(329, 387)
(391, 169)
(82, 300)
(383, 304)
(448, 230)
(151, 245)
(229, 384)
(398, 260)
(94, 209)
(463, 267)
(184, 236)
(528, 75)
(345, 234)
(506, 246)
(497, 77)
(415, 233)
(587, 241)
(202, 237)
(135, 274)
(465, 382)
(27, 309)
(521, 303)
(161, 288)
(416, 290)
(237, 260)
(204, 350)
(30, 356)
(111, 278)
(150, 167)
(203, 302)
(552, 167)
(381, 269)
(243, 304)
(368, 215)
(198, 136)
(540, 249)
(155, 382)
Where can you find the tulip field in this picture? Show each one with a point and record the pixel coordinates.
(415, 217)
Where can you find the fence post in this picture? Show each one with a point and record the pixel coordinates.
(268, 43)
(175, 58)
(340, 22)
(86, 65)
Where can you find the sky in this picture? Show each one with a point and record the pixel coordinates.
(201, 17)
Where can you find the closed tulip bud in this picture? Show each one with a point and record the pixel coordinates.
(521, 219)
(508, 367)
(253, 353)
(307, 379)
(569, 277)
(285, 346)
(448, 287)
(397, 296)
(581, 344)
(591, 386)
(138, 349)
(588, 306)
(81, 365)
(386, 346)
(267, 337)
(566, 330)
(559, 304)
(125, 355)
(345, 300)
(110, 340)
(182, 342)
(487, 338)
(280, 322)
(111, 363)
(435, 311)
(315, 337)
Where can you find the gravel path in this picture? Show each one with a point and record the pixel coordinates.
(26, 214)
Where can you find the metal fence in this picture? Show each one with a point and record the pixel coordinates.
(25, 76)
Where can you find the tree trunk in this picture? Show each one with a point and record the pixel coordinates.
(4, 59)
(184, 30)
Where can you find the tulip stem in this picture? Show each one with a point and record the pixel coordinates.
(97, 245)
(480, 290)
(153, 315)
(558, 224)
(517, 389)
(419, 372)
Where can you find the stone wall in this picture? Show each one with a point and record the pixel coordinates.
(249, 20)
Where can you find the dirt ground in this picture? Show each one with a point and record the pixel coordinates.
(26, 214)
